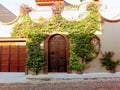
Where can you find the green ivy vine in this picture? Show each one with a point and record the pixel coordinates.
(35, 55)
(25, 27)
(82, 49)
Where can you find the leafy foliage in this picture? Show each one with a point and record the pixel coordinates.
(108, 62)
(82, 50)
(80, 34)
(26, 27)
(82, 46)
(93, 7)
(57, 8)
(35, 58)
(75, 62)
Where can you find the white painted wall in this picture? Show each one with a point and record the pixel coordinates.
(68, 14)
(110, 39)
(5, 30)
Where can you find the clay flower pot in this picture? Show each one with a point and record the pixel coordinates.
(79, 71)
(113, 71)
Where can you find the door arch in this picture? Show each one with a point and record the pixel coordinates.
(57, 53)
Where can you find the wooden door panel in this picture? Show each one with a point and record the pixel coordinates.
(57, 54)
(5, 49)
(13, 68)
(4, 62)
(4, 56)
(21, 68)
(12, 57)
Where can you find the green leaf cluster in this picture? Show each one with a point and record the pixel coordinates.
(108, 62)
(35, 55)
(93, 7)
(25, 27)
(75, 64)
(82, 50)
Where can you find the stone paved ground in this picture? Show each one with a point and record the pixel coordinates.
(65, 84)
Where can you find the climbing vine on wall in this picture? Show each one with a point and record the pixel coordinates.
(84, 44)
(35, 55)
(25, 27)
(83, 50)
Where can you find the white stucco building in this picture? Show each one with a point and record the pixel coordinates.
(109, 36)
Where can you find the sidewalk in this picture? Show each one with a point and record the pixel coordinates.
(13, 77)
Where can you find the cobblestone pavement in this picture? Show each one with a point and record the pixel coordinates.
(64, 84)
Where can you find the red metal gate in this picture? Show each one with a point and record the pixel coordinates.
(12, 55)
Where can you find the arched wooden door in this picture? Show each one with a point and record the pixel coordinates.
(57, 54)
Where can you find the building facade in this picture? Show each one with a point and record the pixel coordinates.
(56, 45)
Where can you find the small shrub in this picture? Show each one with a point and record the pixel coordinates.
(108, 62)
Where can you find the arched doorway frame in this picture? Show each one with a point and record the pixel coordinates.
(46, 48)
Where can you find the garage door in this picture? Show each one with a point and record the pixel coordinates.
(12, 55)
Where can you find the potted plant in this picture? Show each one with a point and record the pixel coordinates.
(80, 68)
(108, 62)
